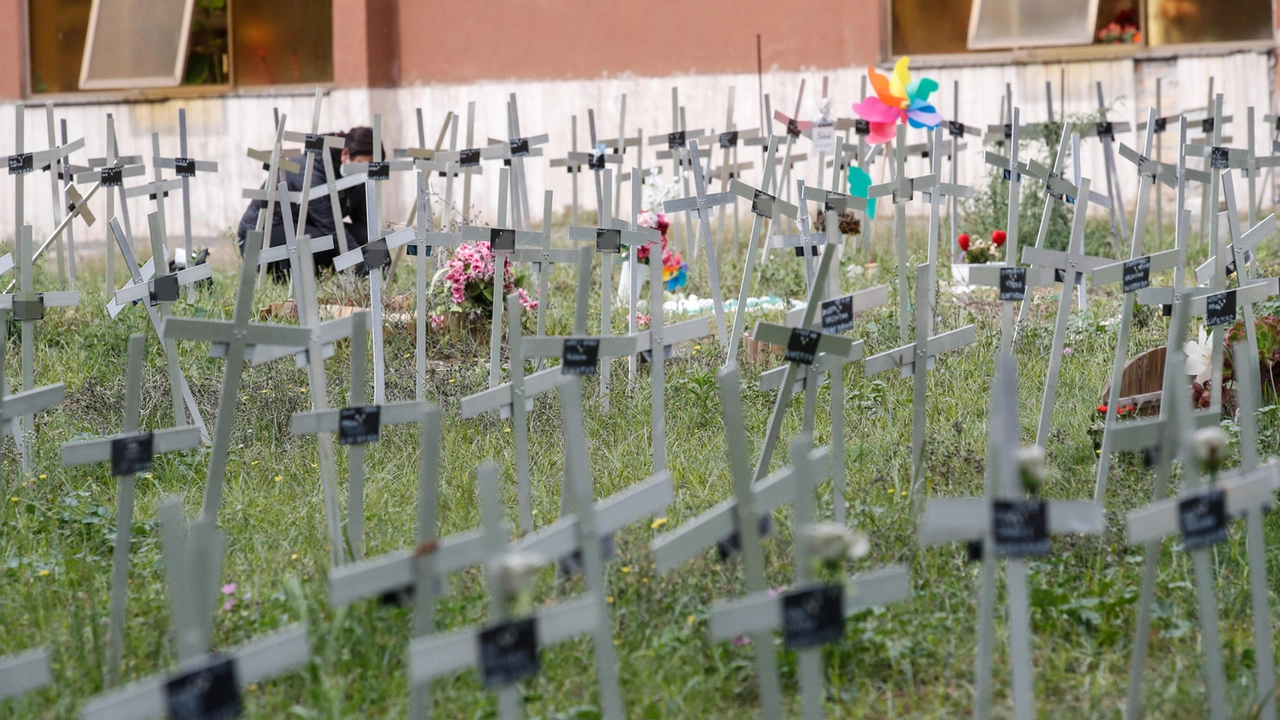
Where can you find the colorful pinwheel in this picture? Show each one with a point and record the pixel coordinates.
(898, 99)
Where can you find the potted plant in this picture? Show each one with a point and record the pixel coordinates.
(467, 302)
(977, 251)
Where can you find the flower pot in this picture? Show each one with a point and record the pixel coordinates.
(1142, 382)
(960, 283)
(761, 352)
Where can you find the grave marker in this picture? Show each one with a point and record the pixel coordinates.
(702, 206)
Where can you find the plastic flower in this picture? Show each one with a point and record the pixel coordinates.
(1199, 357)
(833, 542)
(859, 186)
(1211, 448)
(1031, 467)
(898, 99)
(998, 237)
(963, 241)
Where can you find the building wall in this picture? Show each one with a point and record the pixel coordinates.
(459, 42)
(221, 128)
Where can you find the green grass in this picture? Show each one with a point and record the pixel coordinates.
(908, 660)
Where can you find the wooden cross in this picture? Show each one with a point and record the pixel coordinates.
(735, 525)
(794, 127)
(915, 361)
(956, 130)
(1073, 265)
(677, 142)
(620, 145)
(1105, 130)
(934, 198)
(27, 307)
(68, 201)
(60, 159)
(465, 161)
(238, 335)
(600, 159)
(1210, 129)
(543, 260)
(273, 162)
(357, 425)
(157, 190)
(512, 151)
(813, 613)
(186, 168)
(836, 317)
(129, 453)
(1005, 523)
(514, 399)
(78, 206)
(505, 651)
(1160, 124)
(730, 166)
(574, 161)
(156, 296)
(701, 205)
(26, 671)
(1254, 166)
(806, 242)
(902, 188)
(22, 163)
(110, 172)
(1177, 177)
(205, 683)
(766, 208)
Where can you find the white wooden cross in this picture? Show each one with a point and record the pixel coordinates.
(274, 163)
(152, 295)
(766, 208)
(514, 399)
(1105, 130)
(1074, 266)
(238, 335)
(129, 453)
(573, 162)
(315, 144)
(55, 167)
(902, 188)
(543, 260)
(512, 151)
(157, 190)
(464, 161)
(813, 613)
(28, 670)
(934, 197)
(357, 425)
(110, 172)
(836, 317)
(1176, 176)
(807, 241)
(186, 167)
(506, 650)
(794, 128)
(1006, 523)
(735, 525)
(915, 360)
(1163, 436)
(205, 683)
(702, 206)
(730, 166)
(956, 130)
(27, 307)
(620, 145)
(68, 200)
(1210, 128)
(21, 163)
(677, 141)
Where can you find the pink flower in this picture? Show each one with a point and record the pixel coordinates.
(229, 589)
(230, 603)
(1067, 351)
(437, 323)
(742, 641)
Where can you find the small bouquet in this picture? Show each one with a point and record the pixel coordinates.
(469, 274)
(978, 252)
(1123, 30)
(675, 272)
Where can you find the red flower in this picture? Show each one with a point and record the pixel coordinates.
(997, 237)
(1102, 409)
(963, 241)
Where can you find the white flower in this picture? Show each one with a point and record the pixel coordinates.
(1031, 467)
(520, 571)
(833, 542)
(1211, 447)
(1199, 357)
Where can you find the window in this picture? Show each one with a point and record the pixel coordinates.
(922, 27)
(135, 43)
(189, 43)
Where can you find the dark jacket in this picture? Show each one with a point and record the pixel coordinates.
(320, 220)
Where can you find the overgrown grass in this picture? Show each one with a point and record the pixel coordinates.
(908, 660)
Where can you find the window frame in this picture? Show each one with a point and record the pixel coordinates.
(159, 81)
(975, 13)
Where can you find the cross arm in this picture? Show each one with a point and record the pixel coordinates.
(264, 157)
(905, 356)
(151, 188)
(325, 334)
(743, 190)
(255, 661)
(310, 423)
(322, 191)
(1248, 243)
(948, 520)
(1045, 258)
(837, 201)
(677, 332)
(665, 138)
(141, 291)
(434, 656)
(29, 401)
(353, 257)
(278, 253)
(646, 499)
(395, 571)
(763, 610)
(696, 203)
(24, 672)
(542, 255)
(200, 165)
(1160, 519)
(1114, 272)
(826, 362)
(780, 334)
(553, 347)
(499, 398)
(162, 441)
(674, 547)
(328, 141)
(391, 165)
(127, 171)
(988, 275)
(1143, 434)
(215, 331)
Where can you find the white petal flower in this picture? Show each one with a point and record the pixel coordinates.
(1211, 446)
(1199, 357)
(520, 571)
(1030, 461)
(833, 542)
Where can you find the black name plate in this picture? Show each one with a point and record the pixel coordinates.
(377, 255)
(184, 167)
(509, 652)
(837, 315)
(112, 177)
(1203, 520)
(955, 128)
(359, 425)
(21, 164)
(793, 128)
(731, 544)
(502, 240)
(1021, 527)
(802, 347)
(1137, 274)
(519, 147)
(1220, 308)
(813, 616)
(379, 171)
(1219, 158)
(205, 693)
(728, 139)
(28, 306)
(608, 240)
(861, 127)
(1013, 283)
(469, 157)
(131, 454)
(580, 356)
(164, 289)
(314, 142)
(762, 204)
(675, 140)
